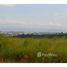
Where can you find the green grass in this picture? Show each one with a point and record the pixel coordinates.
(14, 49)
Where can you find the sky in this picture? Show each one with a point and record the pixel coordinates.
(33, 17)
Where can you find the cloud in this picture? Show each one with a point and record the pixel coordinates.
(7, 5)
(10, 22)
(17, 23)
(55, 24)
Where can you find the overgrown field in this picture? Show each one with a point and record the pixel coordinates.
(14, 49)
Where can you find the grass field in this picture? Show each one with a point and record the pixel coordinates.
(14, 49)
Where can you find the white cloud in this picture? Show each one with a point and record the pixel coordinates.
(25, 24)
(7, 5)
(55, 24)
(10, 22)
(15, 22)
(56, 14)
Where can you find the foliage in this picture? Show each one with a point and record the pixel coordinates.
(13, 49)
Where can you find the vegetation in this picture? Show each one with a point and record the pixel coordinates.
(14, 49)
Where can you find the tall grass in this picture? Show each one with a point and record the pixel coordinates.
(26, 49)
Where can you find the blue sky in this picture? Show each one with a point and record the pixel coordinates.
(33, 18)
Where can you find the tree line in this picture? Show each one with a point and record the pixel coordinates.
(42, 35)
